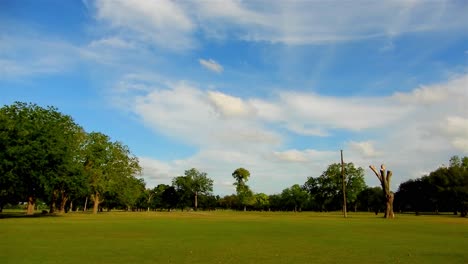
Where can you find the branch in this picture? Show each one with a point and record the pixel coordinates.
(375, 171)
(389, 175)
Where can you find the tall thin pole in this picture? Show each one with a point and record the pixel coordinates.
(344, 185)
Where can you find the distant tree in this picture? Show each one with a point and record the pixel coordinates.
(262, 201)
(229, 201)
(193, 184)
(326, 190)
(295, 197)
(244, 194)
(445, 189)
(170, 198)
(371, 199)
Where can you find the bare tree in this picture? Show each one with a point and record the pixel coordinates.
(384, 177)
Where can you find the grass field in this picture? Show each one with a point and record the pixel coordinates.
(233, 237)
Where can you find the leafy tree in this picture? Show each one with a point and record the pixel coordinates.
(445, 189)
(295, 197)
(38, 152)
(262, 201)
(193, 184)
(170, 198)
(244, 194)
(371, 199)
(106, 164)
(326, 190)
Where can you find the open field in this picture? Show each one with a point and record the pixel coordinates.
(233, 237)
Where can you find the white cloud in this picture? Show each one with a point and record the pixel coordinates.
(456, 128)
(410, 132)
(312, 114)
(211, 65)
(312, 22)
(191, 115)
(364, 148)
(229, 106)
(162, 22)
(175, 24)
(113, 42)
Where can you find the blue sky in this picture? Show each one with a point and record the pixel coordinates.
(277, 87)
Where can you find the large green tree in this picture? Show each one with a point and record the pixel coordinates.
(38, 153)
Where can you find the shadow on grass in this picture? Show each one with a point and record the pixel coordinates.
(4, 215)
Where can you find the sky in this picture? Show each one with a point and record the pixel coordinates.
(276, 87)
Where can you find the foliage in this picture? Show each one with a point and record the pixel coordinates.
(326, 190)
(295, 197)
(193, 184)
(245, 196)
(445, 189)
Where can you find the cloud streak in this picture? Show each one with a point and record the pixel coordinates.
(172, 25)
(211, 65)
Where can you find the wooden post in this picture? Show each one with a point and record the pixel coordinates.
(344, 185)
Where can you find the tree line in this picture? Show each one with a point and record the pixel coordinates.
(45, 156)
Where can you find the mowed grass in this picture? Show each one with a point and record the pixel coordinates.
(233, 237)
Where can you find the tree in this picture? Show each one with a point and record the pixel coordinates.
(445, 189)
(38, 150)
(262, 201)
(200, 184)
(244, 193)
(371, 200)
(295, 197)
(384, 177)
(326, 190)
(193, 184)
(106, 164)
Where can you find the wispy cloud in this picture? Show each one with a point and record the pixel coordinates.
(173, 25)
(211, 65)
(25, 56)
(163, 23)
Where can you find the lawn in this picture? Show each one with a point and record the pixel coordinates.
(233, 237)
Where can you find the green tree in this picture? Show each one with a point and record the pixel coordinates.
(371, 199)
(107, 164)
(38, 152)
(295, 197)
(244, 194)
(326, 190)
(193, 184)
(262, 201)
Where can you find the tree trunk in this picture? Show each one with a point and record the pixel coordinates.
(196, 201)
(31, 204)
(245, 208)
(71, 206)
(384, 176)
(53, 202)
(96, 202)
(62, 204)
(85, 204)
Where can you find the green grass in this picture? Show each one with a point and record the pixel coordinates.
(233, 237)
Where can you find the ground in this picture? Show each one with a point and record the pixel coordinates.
(233, 237)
